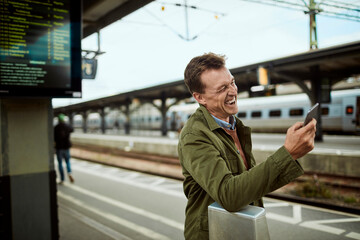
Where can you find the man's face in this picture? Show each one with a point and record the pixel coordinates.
(220, 94)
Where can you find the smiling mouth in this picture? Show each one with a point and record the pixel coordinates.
(231, 102)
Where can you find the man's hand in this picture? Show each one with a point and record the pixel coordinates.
(300, 140)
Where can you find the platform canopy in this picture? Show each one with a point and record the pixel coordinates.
(333, 63)
(98, 14)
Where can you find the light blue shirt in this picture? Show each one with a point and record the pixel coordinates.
(223, 124)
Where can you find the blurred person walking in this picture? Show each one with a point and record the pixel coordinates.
(62, 145)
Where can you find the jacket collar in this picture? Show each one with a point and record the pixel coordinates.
(213, 124)
(209, 119)
(224, 124)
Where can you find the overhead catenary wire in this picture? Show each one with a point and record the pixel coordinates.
(325, 7)
(163, 23)
(331, 8)
(192, 7)
(187, 36)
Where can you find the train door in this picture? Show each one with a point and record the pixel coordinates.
(350, 114)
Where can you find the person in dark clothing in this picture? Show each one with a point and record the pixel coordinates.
(62, 145)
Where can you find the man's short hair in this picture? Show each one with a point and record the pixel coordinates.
(197, 66)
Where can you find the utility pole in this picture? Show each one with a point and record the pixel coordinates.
(331, 8)
(186, 20)
(186, 7)
(313, 10)
(313, 34)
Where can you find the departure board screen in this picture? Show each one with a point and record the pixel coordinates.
(40, 48)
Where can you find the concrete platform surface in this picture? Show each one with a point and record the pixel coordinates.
(76, 226)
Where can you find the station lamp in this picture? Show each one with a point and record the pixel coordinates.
(263, 76)
(263, 88)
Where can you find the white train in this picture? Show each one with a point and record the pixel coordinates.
(262, 114)
(277, 113)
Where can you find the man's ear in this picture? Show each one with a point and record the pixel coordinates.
(199, 98)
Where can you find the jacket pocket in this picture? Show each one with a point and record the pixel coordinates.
(232, 161)
(233, 164)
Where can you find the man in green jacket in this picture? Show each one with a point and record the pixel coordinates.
(215, 149)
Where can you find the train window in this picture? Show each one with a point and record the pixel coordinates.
(241, 115)
(275, 113)
(256, 114)
(325, 111)
(296, 112)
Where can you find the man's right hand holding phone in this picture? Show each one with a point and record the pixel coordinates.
(300, 139)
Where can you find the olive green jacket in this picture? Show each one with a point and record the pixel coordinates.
(214, 171)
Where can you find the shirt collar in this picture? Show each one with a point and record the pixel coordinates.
(224, 124)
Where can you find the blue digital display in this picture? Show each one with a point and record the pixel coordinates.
(40, 48)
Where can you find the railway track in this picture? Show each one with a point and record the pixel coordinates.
(170, 167)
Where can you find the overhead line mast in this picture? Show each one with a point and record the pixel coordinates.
(313, 10)
(186, 7)
(331, 8)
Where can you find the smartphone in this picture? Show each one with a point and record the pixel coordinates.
(312, 113)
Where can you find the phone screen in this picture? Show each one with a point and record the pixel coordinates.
(312, 113)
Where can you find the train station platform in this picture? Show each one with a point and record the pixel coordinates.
(336, 155)
(75, 226)
(109, 203)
